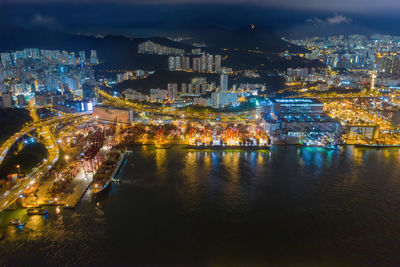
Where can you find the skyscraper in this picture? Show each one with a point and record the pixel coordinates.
(196, 64)
(172, 91)
(93, 57)
(171, 63)
(186, 63)
(373, 76)
(203, 63)
(72, 58)
(178, 62)
(93, 53)
(224, 82)
(8, 101)
(210, 63)
(6, 59)
(184, 88)
(82, 56)
(218, 63)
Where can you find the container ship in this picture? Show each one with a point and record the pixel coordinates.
(107, 170)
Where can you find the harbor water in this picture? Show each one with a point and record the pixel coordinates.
(283, 206)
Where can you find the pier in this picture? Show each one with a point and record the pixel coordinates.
(73, 198)
(68, 198)
(118, 167)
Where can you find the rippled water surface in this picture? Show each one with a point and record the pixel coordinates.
(286, 206)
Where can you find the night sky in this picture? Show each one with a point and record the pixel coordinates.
(356, 6)
(289, 18)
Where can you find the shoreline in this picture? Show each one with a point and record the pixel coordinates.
(193, 147)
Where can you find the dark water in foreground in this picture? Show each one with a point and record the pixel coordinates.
(287, 206)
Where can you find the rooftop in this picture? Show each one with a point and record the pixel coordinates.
(295, 101)
(296, 118)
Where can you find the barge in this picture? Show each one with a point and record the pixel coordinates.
(36, 211)
(378, 145)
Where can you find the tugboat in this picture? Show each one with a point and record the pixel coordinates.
(34, 211)
(17, 222)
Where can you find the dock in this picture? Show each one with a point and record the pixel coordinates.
(118, 167)
(228, 147)
(69, 198)
(72, 199)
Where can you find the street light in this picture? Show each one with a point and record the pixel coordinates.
(66, 157)
(18, 169)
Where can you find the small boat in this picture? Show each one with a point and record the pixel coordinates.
(163, 146)
(34, 211)
(331, 147)
(17, 222)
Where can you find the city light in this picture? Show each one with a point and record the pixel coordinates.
(200, 137)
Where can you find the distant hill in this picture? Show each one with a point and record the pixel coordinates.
(243, 38)
(118, 52)
(161, 78)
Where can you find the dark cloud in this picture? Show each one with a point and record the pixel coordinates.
(40, 19)
(356, 6)
(335, 19)
(338, 19)
(314, 20)
(149, 20)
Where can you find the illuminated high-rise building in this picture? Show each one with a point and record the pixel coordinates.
(65, 57)
(178, 62)
(93, 57)
(72, 58)
(82, 56)
(373, 76)
(93, 53)
(172, 91)
(184, 88)
(196, 64)
(171, 63)
(186, 63)
(8, 101)
(210, 63)
(218, 67)
(224, 82)
(203, 63)
(6, 59)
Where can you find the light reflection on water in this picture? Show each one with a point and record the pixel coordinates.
(285, 206)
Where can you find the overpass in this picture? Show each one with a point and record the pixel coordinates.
(9, 196)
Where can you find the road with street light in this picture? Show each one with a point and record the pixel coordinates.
(9, 195)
